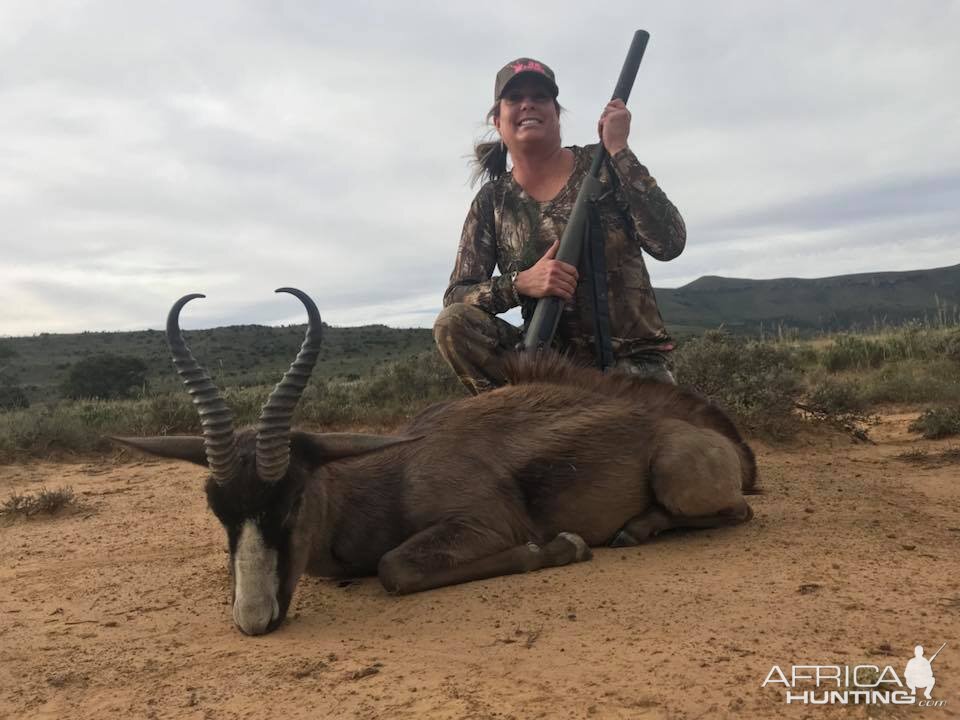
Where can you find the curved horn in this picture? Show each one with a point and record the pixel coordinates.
(273, 430)
(215, 417)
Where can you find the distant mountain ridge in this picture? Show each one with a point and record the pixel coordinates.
(832, 303)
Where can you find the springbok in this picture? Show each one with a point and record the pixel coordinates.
(524, 477)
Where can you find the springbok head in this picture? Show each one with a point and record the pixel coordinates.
(257, 476)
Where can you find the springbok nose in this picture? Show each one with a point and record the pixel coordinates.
(253, 618)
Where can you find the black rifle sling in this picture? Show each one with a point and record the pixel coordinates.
(596, 263)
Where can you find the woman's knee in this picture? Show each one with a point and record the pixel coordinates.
(459, 319)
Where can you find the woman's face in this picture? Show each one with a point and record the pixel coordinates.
(528, 114)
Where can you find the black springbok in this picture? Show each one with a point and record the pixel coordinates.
(524, 477)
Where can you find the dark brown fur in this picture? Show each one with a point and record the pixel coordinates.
(562, 448)
(657, 398)
(524, 477)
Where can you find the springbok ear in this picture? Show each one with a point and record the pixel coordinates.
(177, 447)
(319, 448)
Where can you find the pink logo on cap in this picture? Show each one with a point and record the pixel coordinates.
(529, 65)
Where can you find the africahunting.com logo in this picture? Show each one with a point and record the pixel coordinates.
(859, 684)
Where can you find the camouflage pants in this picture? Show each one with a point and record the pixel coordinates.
(475, 344)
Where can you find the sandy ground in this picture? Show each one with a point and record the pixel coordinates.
(119, 608)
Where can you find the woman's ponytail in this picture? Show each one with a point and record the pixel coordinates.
(490, 157)
(489, 161)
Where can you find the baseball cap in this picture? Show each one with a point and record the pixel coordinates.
(521, 66)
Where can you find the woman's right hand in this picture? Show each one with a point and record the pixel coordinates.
(549, 277)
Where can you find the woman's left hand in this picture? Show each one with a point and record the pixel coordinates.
(614, 126)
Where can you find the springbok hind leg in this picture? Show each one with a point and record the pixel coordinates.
(449, 553)
(654, 521)
(696, 479)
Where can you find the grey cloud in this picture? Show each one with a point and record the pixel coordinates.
(916, 197)
(231, 148)
(867, 247)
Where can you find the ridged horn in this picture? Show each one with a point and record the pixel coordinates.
(273, 430)
(220, 442)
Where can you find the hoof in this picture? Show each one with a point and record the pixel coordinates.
(582, 549)
(623, 539)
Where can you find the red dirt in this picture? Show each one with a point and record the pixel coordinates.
(117, 608)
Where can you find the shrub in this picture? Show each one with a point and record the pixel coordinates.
(938, 423)
(852, 351)
(951, 347)
(43, 501)
(394, 392)
(169, 414)
(836, 397)
(759, 383)
(839, 403)
(920, 456)
(915, 456)
(418, 379)
(806, 356)
(105, 377)
(13, 397)
(911, 381)
(910, 342)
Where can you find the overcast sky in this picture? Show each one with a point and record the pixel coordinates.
(151, 149)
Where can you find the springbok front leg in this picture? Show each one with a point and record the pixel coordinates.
(452, 553)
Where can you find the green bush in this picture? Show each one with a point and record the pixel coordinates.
(418, 379)
(911, 381)
(911, 342)
(42, 431)
(852, 351)
(951, 347)
(13, 397)
(394, 392)
(839, 403)
(836, 397)
(805, 355)
(938, 423)
(391, 395)
(105, 377)
(172, 413)
(759, 383)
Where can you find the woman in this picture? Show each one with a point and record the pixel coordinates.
(516, 221)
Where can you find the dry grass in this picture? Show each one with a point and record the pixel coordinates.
(914, 456)
(919, 456)
(42, 502)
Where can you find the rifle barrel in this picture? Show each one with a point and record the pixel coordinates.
(631, 65)
(543, 325)
(934, 656)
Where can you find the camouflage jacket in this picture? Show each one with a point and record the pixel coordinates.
(508, 229)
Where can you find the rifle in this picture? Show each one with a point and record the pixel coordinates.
(934, 656)
(543, 325)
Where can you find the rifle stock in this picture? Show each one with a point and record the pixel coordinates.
(543, 325)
